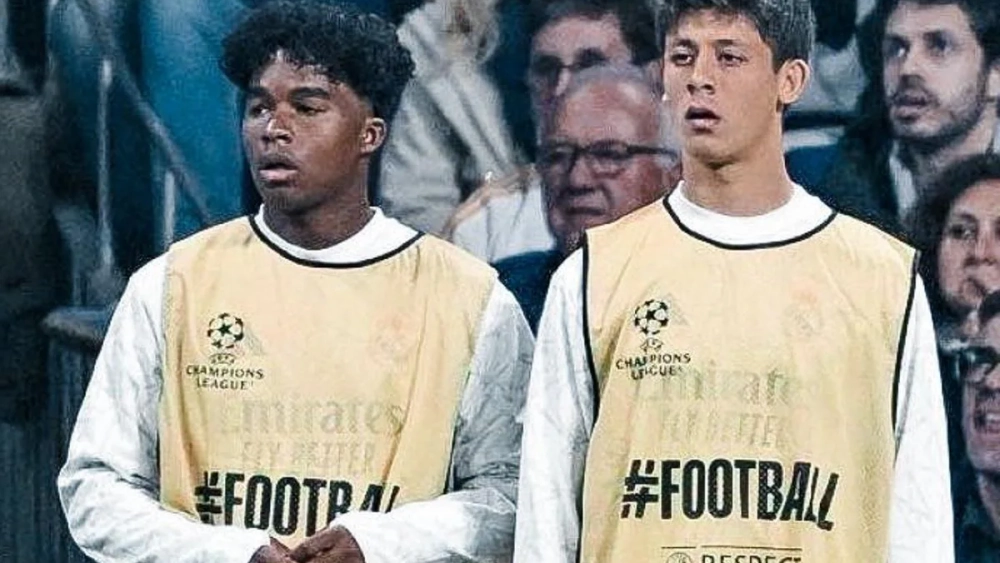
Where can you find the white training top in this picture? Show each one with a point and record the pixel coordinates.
(109, 485)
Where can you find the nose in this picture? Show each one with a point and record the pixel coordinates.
(911, 63)
(985, 249)
(562, 81)
(702, 76)
(578, 175)
(277, 129)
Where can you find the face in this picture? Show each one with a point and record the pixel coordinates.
(981, 400)
(722, 88)
(306, 138)
(934, 74)
(969, 253)
(621, 172)
(569, 45)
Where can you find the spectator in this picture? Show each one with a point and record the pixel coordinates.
(601, 156)
(506, 216)
(316, 362)
(978, 535)
(934, 102)
(464, 116)
(705, 366)
(955, 226)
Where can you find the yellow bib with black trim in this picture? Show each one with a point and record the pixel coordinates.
(294, 392)
(746, 394)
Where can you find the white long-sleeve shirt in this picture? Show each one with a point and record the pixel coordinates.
(109, 485)
(559, 414)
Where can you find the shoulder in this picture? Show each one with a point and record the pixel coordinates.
(238, 229)
(871, 244)
(460, 264)
(631, 225)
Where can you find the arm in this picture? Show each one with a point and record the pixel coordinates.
(109, 487)
(921, 513)
(476, 520)
(558, 420)
(420, 166)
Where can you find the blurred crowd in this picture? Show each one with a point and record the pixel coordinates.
(526, 122)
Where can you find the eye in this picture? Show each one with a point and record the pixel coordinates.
(589, 58)
(610, 153)
(307, 109)
(544, 67)
(256, 109)
(893, 49)
(556, 156)
(938, 44)
(961, 232)
(978, 359)
(731, 59)
(680, 58)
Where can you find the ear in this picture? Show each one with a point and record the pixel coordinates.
(793, 76)
(372, 135)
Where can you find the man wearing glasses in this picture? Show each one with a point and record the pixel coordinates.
(978, 534)
(505, 216)
(601, 156)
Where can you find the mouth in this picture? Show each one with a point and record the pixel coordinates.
(909, 103)
(276, 168)
(986, 416)
(700, 118)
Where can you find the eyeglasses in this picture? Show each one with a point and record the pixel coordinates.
(976, 362)
(603, 157)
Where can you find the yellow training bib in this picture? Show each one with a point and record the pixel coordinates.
(294, 392)
(746, 394)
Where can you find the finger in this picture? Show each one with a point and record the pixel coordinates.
(280, 547)
(315, 545)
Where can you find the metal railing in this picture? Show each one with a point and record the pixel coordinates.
(32, 526)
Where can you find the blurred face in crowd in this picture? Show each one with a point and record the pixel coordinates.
(722, 88)
(566, 46)
(936, 80)
(981, 399)
(306, 138)
(969, 253)
(600, 157)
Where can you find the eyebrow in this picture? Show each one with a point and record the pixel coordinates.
(297, 94)
(257, 92)
(965, 216)
(310, 92)
(690, 44)
(683, 43)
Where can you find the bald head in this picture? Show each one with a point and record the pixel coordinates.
(603, 153)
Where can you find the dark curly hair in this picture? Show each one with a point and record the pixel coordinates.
(931, 212)
(350, 47)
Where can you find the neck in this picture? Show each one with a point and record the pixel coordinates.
(927, 161)
(322, 226)
(989, 492)
(747, 187)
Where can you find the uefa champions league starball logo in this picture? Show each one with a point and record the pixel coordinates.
(224, 333)
(650, 318)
